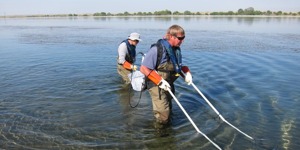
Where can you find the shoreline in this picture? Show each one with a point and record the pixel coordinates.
(149, 16)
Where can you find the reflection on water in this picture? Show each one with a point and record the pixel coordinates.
(60, 89)
(286, 129)
(255, 24)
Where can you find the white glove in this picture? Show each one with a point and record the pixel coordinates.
(188, 78)
(134, 67)
(164, 85)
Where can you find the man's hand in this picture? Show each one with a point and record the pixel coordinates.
(164, 85)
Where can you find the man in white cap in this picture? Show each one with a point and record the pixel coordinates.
(126, 56)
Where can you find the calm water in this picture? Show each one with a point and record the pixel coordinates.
(60, 89)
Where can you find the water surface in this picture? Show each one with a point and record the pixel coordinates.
(60, 88)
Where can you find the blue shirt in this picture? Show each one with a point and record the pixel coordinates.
(151, 58)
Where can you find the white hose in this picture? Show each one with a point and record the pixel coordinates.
(190, 119)
(218, 112)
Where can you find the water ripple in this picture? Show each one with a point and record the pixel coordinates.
(60, 89)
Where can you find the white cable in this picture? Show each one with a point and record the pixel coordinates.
(192, 122)
(218, 112)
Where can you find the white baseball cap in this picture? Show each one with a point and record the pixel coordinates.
(134, 36)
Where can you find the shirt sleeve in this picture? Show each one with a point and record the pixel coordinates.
(150, 58)
(122, 51)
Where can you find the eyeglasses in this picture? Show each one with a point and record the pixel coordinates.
(179, 38)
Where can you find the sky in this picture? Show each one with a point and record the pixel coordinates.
(32, 7)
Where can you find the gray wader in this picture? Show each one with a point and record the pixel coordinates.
(161, 99)
(123, 73)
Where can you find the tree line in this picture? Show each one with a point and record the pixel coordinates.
(247, 11)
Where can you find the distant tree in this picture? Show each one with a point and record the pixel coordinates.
(149, 13)
(215, 13)
(249, 11)
(166, 12)
(74, 15)
(240, 11)
(176, 13)
(163, 12)
(157, 13)
(198, 13)
(99, 14)
(222, 13)
(126, 13)
(278, 13)
(187, 12)
(269, 12)
(257, 12)
(230, 13)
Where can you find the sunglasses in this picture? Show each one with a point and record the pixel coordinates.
(179, 38)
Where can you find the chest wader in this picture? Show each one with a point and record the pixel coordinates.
(166, 71)
(123, 72)
(161, 99)
(130, 57)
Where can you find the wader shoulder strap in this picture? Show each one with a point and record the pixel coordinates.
(159, 47)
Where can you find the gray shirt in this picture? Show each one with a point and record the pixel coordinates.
(122, 51)
(151, 58)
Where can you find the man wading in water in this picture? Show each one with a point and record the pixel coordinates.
(126, 56)
(162, 65)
